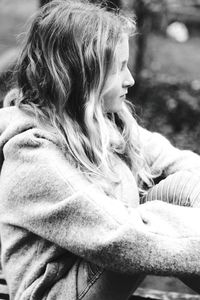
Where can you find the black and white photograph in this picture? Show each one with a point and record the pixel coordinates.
(100, 150)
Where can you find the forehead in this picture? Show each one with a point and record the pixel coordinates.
(122, 49)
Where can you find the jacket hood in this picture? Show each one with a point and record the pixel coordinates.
(12, 122)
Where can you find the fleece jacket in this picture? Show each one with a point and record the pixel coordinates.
(50, 214)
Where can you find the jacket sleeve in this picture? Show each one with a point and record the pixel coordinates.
(180, 188)
(41, 192)
(163, 158)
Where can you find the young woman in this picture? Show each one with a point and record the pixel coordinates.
(74, 164)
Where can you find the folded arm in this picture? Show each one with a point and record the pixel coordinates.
(180, 184)
(165, 159)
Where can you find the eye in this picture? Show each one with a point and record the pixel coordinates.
(123, 65)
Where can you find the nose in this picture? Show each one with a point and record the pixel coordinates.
(129, 80)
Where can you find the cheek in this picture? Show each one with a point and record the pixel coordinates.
(112, 92)
(110, 95)
(112, 89)
(112, 101)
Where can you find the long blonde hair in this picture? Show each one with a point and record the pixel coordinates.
(65, 61)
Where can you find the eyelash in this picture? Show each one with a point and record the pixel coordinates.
(123, 66)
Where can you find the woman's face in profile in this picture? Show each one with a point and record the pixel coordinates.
(119, 79)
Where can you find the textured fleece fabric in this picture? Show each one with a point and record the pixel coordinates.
(50, 214)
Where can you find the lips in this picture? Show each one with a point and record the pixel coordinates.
(123, 96)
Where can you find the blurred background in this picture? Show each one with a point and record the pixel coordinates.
(164, 59)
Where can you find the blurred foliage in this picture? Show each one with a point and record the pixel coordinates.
(148, 6)
(167, 90)
(171, 109)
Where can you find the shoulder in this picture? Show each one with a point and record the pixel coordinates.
(23, 140)
(17, 125)
(33, 163)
